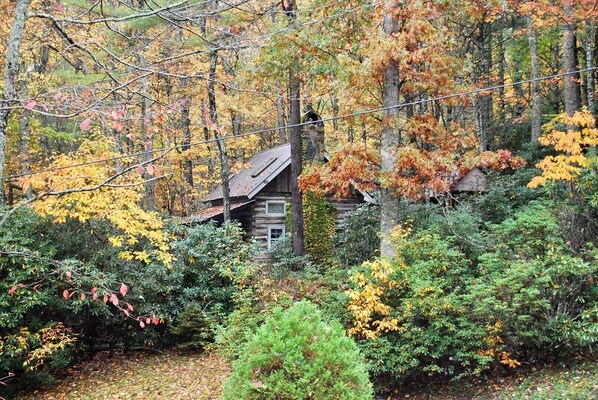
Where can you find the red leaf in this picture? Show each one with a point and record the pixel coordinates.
(150, 169)
(139, 169)
(126, 312)
(105, 298)
(114, 299)
(57, 96)
(82, 296)
(123, 289)
(65, 294)
(12, 290)
(156, 320)
(148, 321)
(58, 7)
(93, 290)
(95, 296)
(141, 324)
(130, 307)
(30, 105)
(85, 124)
(115, 114)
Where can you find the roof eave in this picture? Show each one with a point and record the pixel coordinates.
(269, 178)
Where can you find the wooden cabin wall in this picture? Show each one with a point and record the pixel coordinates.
(280, 184)
(342, 206)
(260, 220)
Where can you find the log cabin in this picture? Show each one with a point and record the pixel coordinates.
(260, 195)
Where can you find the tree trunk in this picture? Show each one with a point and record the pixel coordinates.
(389, 142)
(11, 71)
(296, 165)
(224, 168)
(281, 117)
(501, 69)
(591, 84)
(483, 101)
(536, 98)
(187, 206)
(296, 144)
(235, 118)
(147, 140)
(280, 112)
(25, 137)
(206, 137)
(572, 88)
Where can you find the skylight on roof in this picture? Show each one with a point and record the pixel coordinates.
(268, 162)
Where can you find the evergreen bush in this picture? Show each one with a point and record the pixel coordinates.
(296, 355)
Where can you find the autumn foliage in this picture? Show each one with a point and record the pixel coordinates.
(573, 148)
(430, 160)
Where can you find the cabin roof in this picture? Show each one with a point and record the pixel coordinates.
(473, 181)
(211, 212)
(262, 169)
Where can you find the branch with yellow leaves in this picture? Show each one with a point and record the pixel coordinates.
(105, 183)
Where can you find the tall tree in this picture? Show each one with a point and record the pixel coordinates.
(590, 46)
(224, 167)
(482, 76)
(572, 90)
(290, 8)
(536, 95)
(390, 136)
(11, 72)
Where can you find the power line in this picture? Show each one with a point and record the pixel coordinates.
(246, 42)
(166, 150)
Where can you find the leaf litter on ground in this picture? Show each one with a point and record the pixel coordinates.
(172, 375)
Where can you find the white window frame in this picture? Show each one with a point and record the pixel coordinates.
(272, 227)
(284, 207)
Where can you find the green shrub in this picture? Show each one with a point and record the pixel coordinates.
(295, 355)
(358, 239)
(284, 260)
(318, 216)
(39, 261)
(411, 313)
(436, 310)
(194, 328)
(538, 305)
(538, 294)
(506, 194)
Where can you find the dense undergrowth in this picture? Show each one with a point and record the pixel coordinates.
(498, 282)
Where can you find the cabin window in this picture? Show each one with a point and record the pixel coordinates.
(275, 208)
(274, 233)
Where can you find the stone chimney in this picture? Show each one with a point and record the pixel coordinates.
(313, 133)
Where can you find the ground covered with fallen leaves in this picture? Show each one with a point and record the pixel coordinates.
(574, 380)
(178, 376)
(172, 375)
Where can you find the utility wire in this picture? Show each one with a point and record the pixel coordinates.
(249, 42)
(166, 150)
